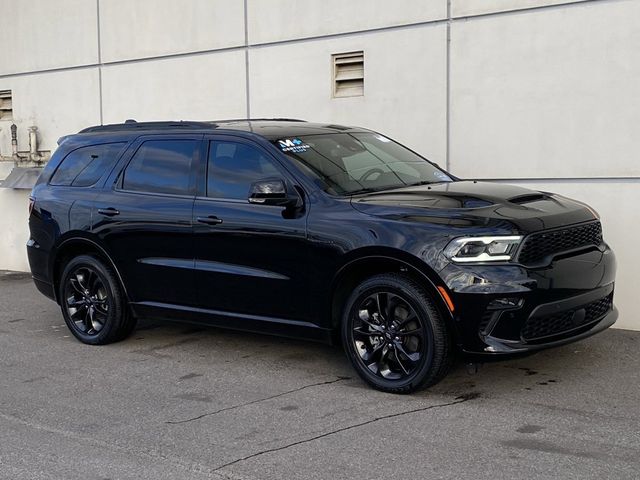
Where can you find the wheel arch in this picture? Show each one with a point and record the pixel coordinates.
(78, 244)
(367, 262)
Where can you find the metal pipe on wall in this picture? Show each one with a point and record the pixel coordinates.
(14, 141)
(33, 143)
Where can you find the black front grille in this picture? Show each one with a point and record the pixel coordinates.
(539, 246)
(541, 327)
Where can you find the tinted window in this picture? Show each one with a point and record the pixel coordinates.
(84, 166)
(162, 166)
(233, 167)
(343, 163)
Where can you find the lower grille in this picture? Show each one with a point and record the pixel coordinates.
(540, 327)
(486, 318)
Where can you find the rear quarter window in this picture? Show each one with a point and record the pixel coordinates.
(84, 166)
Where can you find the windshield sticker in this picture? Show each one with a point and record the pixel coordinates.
(383, 139)
(294, 145)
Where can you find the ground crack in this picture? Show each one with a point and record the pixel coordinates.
(233, 407)
(460, 399)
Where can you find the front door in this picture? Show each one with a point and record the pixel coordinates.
(249, 258)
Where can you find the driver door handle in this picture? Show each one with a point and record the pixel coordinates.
(109, 211)
(210, 220)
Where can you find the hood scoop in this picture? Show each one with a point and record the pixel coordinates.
(528, 198)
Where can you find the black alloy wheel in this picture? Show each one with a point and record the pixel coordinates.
(394, 334)
(92, 303)
(86, 300)
(388, 335)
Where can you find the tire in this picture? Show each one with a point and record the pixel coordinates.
(93, 303)
(407, 346)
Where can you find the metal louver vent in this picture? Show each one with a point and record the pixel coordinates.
(348, 74)
(6, 106)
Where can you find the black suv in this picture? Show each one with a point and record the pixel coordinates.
(317, 231)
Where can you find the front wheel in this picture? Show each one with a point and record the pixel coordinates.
(394, 335)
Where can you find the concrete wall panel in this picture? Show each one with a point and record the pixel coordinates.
(548, 93)
(462, 8)
(147, 28)
(273, 20)
(58, 103)
(42, 34)
(202, 87)
(14, 232)
(404, 85)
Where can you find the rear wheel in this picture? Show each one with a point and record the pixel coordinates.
(92, 302)
(394, 335)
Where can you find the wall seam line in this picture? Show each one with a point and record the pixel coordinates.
(553, 6)
(100, 100)
(448, 92)
(246, 58)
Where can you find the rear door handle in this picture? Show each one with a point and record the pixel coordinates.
(109, 211)
(210, 220)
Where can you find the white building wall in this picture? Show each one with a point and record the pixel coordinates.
(542, 93)
(278, 20)
(57, 102)
(13, 234)
(134, 29)
(44, 34)
(462, 8)
(549, 93)
(198, 87)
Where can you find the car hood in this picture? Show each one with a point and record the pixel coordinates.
(472, 203)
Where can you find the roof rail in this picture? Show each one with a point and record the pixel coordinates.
(133, 125)
(277, 119)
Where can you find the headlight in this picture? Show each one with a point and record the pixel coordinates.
(482, 249)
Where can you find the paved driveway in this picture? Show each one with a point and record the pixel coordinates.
(175, 402)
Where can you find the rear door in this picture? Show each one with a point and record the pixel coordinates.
(250, 258)
(144, 217)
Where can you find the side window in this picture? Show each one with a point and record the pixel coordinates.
(84, 166)
(162, 166)
(233, 167)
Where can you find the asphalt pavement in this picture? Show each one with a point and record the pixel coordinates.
(178, 402)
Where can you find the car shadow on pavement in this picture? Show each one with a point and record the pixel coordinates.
(582, 365)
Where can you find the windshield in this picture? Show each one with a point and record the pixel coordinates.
(350, 163)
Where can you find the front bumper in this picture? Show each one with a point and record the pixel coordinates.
(505, 310)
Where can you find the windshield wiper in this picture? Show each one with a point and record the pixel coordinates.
(423, 182)
(370, 190)
(393, 187)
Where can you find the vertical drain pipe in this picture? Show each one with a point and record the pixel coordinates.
(14, 141)
(33, 143)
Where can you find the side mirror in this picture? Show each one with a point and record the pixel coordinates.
(272, 192)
